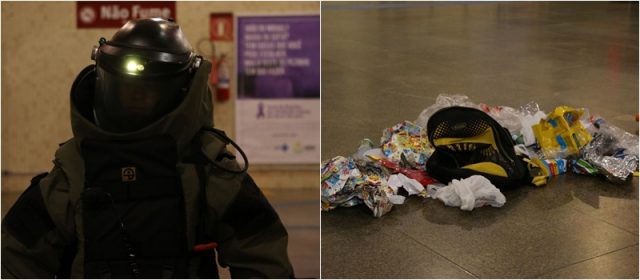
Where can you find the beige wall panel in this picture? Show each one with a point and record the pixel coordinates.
(43, 51)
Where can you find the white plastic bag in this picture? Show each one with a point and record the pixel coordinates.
(412, 186)
(527, 122)
(507, 117)
(473, 192)
(443, 101)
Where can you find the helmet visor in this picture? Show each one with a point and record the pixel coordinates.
(134, 62)
(125, 103)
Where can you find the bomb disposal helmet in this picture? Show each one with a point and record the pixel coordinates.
(143, 73)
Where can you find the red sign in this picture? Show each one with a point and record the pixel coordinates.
(116, 13)
(221, 26)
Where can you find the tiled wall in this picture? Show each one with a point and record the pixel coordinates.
(42, 52)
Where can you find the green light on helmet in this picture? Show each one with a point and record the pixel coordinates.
(133, 67)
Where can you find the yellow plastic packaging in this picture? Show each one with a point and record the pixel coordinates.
(561, 134)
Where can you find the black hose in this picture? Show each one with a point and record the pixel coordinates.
(228, 140)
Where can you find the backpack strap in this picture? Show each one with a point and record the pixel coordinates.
(535, 166)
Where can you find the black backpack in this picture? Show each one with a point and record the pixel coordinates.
(469, 142)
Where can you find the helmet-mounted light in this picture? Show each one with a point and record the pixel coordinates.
(134, 67)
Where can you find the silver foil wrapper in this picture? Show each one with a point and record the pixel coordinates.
(613, 152)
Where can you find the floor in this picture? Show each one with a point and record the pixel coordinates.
(298, 210)
(383, 63)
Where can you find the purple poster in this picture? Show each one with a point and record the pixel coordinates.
(278, 74)
(279, 57)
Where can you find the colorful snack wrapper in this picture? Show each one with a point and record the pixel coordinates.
(408, 139)
(340, 178)
(580, 166)
(378, 197)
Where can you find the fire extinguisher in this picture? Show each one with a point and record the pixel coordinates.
(223, 79)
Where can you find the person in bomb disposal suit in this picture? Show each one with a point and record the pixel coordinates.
(146, 187)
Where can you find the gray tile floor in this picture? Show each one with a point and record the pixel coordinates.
(385, 62)
(298, 210)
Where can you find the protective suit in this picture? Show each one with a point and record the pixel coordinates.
(157, 199)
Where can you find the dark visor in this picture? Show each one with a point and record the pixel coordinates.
(142, 63)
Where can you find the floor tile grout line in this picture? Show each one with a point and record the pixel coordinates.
(603, 220)
(438, 253)
(588, 259)
(618, 227)
(597, 219)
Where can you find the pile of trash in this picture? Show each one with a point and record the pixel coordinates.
(565, 140)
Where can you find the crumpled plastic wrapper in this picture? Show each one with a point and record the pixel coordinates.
(507, 117)
(613, 152)
(375, 191)
(625, 140)
(408, 139)
(380, 198)
(366, 149)
(373, 172)
(555, 167)
(530, 108)
(339, 183)
(580, 166)
(530, 114)
(380, 190)
(348, 181)
(617, 170)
